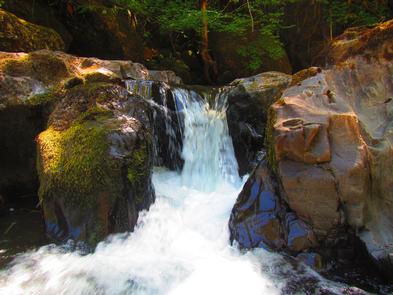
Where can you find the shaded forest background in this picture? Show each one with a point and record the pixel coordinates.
(205, 42)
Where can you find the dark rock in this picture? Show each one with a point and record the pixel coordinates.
(260, 219)
(73, 82)
(300, 235)
(19, 126)
(2, 204)
(248, 102)
(313, 260)
(255, 220)
(99, 30)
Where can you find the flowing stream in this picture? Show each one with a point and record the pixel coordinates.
(181, 245)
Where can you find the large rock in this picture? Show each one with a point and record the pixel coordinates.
(330, 142)
(19, 35)
(35, 84)
(95, 163)
(248, 102)
(39, 12)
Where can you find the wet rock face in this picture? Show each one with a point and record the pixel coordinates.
(248, 102)
(329, 140)
(260, 219)
(20, 35)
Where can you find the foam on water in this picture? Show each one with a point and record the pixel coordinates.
(180, 246)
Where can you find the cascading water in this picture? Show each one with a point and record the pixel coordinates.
(180, 246)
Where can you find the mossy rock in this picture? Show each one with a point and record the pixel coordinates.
(44, 65)
(95, 171)
(20, 35)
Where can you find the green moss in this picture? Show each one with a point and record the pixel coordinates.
(95, 113)
(76, 165)
(93, 89)
(44, 66)
(138, 170)
(17, 67)
(97, 77)
(41, 99)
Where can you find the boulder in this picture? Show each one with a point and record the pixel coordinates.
(32, 87)
(19, 35)
(248, 102)
(260, 219)
(95, 163)
(39, 12)
(330, 140)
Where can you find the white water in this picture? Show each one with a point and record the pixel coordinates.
(180, 246)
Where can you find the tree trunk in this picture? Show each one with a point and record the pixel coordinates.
(210, 66)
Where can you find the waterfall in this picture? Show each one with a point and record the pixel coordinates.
(181, 245)
(207, 147)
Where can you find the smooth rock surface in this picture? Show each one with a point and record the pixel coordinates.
(330, 142)
(260, 219)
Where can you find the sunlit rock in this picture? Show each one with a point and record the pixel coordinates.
(330, 142)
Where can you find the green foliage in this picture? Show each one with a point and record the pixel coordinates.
(182, 20)
(343, 14)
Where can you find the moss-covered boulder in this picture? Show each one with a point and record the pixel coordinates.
(19, 35)
(45, 82)
(31, 85)
(95, 163)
